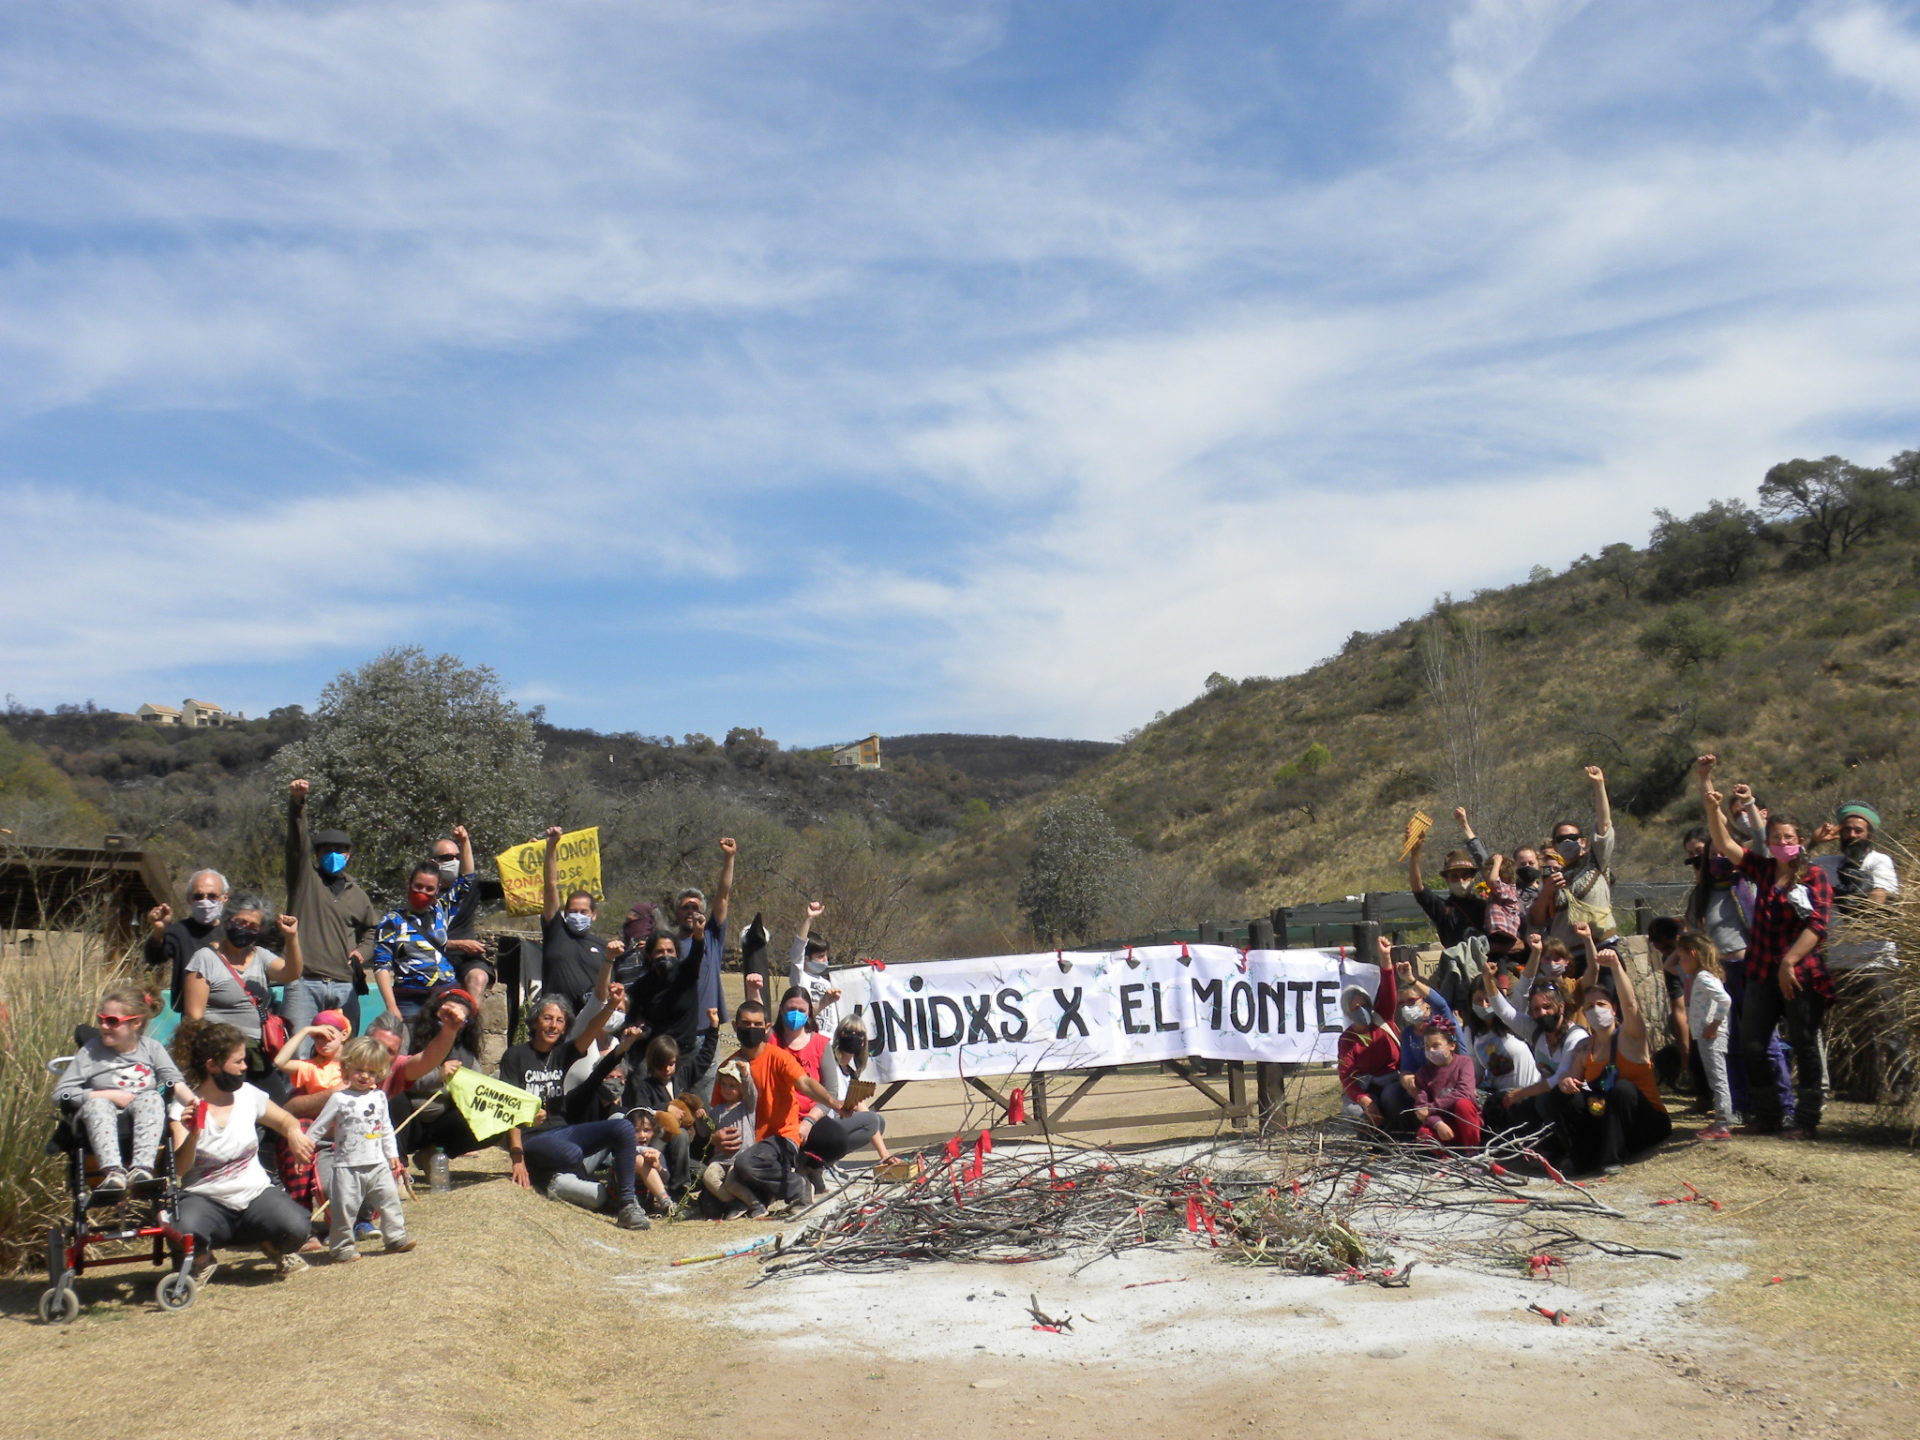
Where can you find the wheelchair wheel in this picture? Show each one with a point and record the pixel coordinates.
(176, 1291)
(59, 1306)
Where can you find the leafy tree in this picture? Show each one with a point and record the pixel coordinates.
(1076, 872)
(410, 744)
(1709, 548)
(38, 804)
(1299, 784)
(1620, 565)
(1684, 637)
(1830, 505)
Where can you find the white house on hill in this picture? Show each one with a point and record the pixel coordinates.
(861, 755)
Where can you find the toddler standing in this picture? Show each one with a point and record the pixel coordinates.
(1708, 1009)
(367, 1167)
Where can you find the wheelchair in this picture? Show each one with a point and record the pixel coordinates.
(147, 1213)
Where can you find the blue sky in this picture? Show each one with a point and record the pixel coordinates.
(836, 366)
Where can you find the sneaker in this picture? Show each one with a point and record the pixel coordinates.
(1715, 1132)
(345, 1257)
(289, 1265)
(1797, 1132)
(400, 1246)
(633, 1216)
(756, 1211)
(363, 1230)
(1611, 1169)
(139, 1178)
(113, 1184)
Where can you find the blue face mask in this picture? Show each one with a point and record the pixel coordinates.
(333, 862)
(794, 1019)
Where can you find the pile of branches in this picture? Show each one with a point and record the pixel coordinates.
(1325, 1200)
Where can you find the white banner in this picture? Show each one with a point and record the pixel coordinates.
(1021, 1013)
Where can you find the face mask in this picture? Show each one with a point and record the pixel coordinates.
(208, 912)
(1556, 967)
(1569, 848)
(1460, 888)
(1528, 874)
(1600, 1018)
(1783, 852)
(242, 933)
(794, 1019)
(817, 966)
(1437, 1058)
(1359, 1018)
(1483, 1011)
(1410, 1015)
(662, 960)
(422, 899)
(578, 922)
(333, 862)
(229, 1083)
(449, 870)
(750, 1035)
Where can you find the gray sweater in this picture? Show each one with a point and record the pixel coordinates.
(146, 1067)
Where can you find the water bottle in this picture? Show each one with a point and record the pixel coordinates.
(439, 1179)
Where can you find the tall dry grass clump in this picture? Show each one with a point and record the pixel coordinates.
(42, 997)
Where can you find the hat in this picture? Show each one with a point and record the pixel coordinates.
(826, 1143)
(1865, 812)
(334, 1018)
(1458, 860)
(336, 838)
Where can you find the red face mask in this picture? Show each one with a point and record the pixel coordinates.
(421, 899)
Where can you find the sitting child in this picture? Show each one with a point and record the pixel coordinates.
(367, 1168)
(728, 1127)
(649, 1169)
(121, 1070)
(1444, 1109)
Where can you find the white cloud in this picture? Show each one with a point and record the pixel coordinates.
(1492, 43)
(1865, 42)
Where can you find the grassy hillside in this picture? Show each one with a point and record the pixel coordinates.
(1804, 677)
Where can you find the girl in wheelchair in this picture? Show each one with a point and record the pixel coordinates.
(117, 1074)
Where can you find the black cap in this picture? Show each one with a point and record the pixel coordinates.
(337, 839)
(826, 1143)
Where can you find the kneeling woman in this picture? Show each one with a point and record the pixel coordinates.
(1609, 1109)
(226, 1196)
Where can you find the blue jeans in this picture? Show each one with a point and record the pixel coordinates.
(566, 1149)
(301, 1000)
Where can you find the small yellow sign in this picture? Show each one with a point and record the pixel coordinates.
(523, 870)
(490, 1105)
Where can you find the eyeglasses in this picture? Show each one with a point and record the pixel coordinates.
(110, 1022)
(204, 895)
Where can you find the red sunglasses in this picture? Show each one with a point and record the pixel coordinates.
(110, 1020)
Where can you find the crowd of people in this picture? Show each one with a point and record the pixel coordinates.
(1529, 1022)
(288, 1115)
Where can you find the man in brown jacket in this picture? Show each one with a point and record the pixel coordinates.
(337, 918)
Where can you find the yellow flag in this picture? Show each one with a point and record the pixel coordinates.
(523, 870)
(490, 1105)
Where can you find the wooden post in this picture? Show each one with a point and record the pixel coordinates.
(1369, 910)
(1270, 1091)
(1642, 916)
(1366, 942)
(1209, 933)
(1282, 918)
(1260, 935)
(1237, 1093)
(1322, 936)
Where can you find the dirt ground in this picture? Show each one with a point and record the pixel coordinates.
(517, 1312)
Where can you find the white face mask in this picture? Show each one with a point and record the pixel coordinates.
(1460, 888)
(208, 912)
(449, 871)
(1600, 1017)
(1437, 1058)
(1410, 1015)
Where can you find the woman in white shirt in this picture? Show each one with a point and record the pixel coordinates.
(227, 1197)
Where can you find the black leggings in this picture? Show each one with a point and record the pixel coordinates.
(1762, 1008)
(272, 1217)
(1627, 1125)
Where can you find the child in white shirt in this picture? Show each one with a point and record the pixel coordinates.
(1708, 1010)
(367, 1167)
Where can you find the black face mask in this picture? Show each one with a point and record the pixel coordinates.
(242, 934)
(750, 1035)
(227, 1082)
(1527, 874)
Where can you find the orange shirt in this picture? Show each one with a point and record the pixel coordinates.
(311, 1077)
(775, 1074)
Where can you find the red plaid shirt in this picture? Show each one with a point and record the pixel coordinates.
(1777, 924)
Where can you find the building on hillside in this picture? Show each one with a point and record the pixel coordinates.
(192, 715)
(861, 755)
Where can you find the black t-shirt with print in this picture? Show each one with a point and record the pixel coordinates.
(541, 1075)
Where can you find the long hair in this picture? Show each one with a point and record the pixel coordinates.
(427, 1024)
